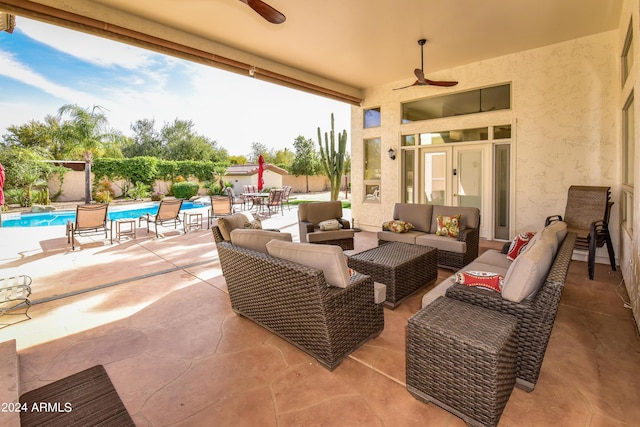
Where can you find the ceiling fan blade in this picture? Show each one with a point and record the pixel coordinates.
(266, 11)
(417, 83)
(441, 83)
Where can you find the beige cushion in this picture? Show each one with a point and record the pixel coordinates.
(443, 243)
(469, 217)
(408, 237)
(328, 258)
(256, 239)
(316, 212)
(560, 228)
(379, 292)
(323, 236)
(418, 215)
(528, 272)
(229, 223)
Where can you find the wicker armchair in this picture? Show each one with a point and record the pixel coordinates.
(310, 215)
(294, 302)
(535, 315)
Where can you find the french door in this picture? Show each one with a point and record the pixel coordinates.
(465, 175)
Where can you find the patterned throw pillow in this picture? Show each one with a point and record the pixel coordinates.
(481, 279)
(397, 226)
(519, 244)
(330, 224)
(256, 224)
(448, 225)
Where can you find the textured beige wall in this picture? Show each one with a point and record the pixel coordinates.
(564, 113)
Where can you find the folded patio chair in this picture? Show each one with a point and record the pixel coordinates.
(90, 219)
(168, 211)
(14, 293)
(587, 214)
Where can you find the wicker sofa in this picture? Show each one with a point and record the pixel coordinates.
(453, 252)
(535, 308)
(295, 302)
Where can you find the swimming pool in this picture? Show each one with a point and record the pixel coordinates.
(26, 219)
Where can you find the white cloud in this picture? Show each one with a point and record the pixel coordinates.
(23, 73)
(92, 49)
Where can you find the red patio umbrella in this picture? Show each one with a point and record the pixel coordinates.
(260, 172)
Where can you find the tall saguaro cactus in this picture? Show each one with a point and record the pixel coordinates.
(332, 161)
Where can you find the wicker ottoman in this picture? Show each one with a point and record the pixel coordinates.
(462, 358)
(403, 267)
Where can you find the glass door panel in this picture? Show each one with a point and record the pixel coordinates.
(408, 167)
(434, 166)
(502, 191)
(468, 174)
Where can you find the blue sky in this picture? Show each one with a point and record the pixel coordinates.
(43, 67)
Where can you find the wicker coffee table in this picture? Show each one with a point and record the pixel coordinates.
(403, 267)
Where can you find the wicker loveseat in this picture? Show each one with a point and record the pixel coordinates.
(294, 301)
(535, 311)
(453, 252)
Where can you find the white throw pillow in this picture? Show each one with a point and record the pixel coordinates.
(328, 258)
(330, 224)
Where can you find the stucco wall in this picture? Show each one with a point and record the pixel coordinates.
(564, 118)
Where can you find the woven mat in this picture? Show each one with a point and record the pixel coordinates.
(87, 398)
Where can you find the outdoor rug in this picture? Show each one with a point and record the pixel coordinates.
(87, 398)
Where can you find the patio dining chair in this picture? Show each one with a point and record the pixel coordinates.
(587, 214)
(14, 293)
(235, 200)
(274, 202)
(285, 195)
(168, 211)
(90, 219)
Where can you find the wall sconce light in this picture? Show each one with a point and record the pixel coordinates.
(392, 153)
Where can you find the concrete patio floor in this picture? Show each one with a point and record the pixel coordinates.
(178, 355)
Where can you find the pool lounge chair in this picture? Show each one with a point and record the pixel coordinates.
(168, 211)
(14, 293)
(90, 219)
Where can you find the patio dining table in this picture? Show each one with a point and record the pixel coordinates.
(261, 197)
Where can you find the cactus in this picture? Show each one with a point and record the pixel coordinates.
(332, 161)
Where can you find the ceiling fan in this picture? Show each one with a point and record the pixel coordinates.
(266, 11)
(419, 72)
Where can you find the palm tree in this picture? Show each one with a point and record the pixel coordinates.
(85, 130)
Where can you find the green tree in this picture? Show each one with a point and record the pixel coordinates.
(305, 160)
(146, 140)
(258, 148)
(284, 159)
(39, 135)
(184, 144)
(85, 130)
(332, 157)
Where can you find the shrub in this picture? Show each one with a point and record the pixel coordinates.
(185, 190)
(156, 197)
(140, 191)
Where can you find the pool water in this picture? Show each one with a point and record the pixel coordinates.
(61, 217)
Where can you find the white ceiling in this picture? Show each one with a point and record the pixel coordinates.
(365, 43)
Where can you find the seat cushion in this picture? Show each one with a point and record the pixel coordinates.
(323, 236)
(443, 243)
(495, 258)
(528, 272)
(328, 258)
(256, 239)
(408, 237)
